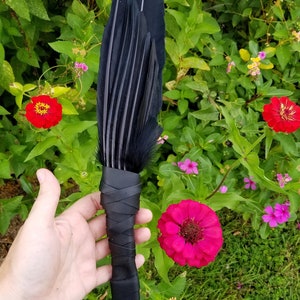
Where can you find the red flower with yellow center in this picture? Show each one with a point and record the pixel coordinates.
(282, 115)
(43, 111)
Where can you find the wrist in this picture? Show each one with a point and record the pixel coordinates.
(7, 285)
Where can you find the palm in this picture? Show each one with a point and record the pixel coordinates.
(55, 258)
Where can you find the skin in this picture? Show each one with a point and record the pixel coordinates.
(55, 257)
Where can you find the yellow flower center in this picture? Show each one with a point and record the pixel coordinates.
(287, 112)
(41, 108)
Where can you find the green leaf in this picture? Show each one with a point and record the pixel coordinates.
(20, 7)
(283, 54)
(79, 9)
(229, 200)
(41, 147)
(278, 12)
(58, 91)
(5, 172)
(29, 87)
(68, 107)
(162, 263)
(6, 75)
(3, 111)
(2, 54)
(172, 50)
(173, 94)
(177, 286)
(240, 144)
(264, 231)
(194, 62)
(171, 122)
(70, 130)
(208, 114)
(183, 105)
(28, 56)
(208, 25)
(37, 8)
(8, 209)
(65, 47)
(179, 17)
(287, 143)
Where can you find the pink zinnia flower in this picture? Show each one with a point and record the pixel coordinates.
(191, 233)
(250, 184)
(188, 166)
(282, 180)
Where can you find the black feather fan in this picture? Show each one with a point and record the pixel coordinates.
(129, 100)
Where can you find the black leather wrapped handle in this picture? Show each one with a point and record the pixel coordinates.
(120, 197)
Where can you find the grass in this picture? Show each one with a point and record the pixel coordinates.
(248, 267)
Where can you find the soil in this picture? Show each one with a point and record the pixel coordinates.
(9, 189)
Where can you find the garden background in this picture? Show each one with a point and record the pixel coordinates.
(224, 61)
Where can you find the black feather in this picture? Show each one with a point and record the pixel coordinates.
(129, 84)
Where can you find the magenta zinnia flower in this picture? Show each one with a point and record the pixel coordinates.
(190, 233)
(188, 166)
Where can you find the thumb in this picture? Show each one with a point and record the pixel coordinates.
(45, 205)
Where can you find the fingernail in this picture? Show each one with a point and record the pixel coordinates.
(40, 174)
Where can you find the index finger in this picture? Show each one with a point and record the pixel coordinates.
(87, 206)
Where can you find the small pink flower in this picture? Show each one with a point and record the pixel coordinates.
(262, 55)
(188, 166)
(250, 184)
(282, 180)
(270, 217)
(223, 189)
(161, 140)
(191, 233)
(81, 66)
(230, 65)
(282, 212)
(277, 215)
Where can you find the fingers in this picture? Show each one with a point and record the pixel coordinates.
(45, 205)
(141, 235)
(139, 260)
(98, 224)
(86, 206)
(143, 216)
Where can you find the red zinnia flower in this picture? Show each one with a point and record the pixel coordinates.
(190, 233)
(43, 111)
(282, 115)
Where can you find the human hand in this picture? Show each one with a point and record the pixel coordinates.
(55, 258)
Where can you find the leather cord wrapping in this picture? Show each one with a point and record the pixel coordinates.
(120, 197)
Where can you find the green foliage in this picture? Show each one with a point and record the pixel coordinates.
(213, 99)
